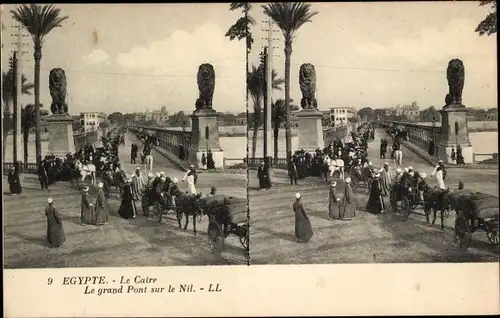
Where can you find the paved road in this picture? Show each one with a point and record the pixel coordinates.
(366, 239)
(138, 242)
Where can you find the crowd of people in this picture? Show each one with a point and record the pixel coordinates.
(384, 184)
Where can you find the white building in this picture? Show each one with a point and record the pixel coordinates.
(91, 120)
(340, 115)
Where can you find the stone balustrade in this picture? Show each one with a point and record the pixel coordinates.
(340, 132)
(418, 134)
(169, 138)
(84, 138)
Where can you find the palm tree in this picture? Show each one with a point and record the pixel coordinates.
(241, 28)
(255, 87)
(28, 122)
(278, 117)
(289, 17)
(8, 95)
(39, 21)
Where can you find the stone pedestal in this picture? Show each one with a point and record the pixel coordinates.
(454, 131)
(310, 130)
(204, 121)
(61, 139)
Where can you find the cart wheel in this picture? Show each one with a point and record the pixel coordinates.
(215, 237)
(462, 233)
(493, 235)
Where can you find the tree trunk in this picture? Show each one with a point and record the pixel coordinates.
(4, 144)
(38, 146)
(26, 136)
(256, 121)
(288, 133)
(276, 137)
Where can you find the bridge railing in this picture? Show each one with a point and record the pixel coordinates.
(485, 157)
(418, 134)
(340, 132)
(170, 139)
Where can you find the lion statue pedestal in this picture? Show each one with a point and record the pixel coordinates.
(61, 139)
(454, 129)
(204, 124)
(310, 130)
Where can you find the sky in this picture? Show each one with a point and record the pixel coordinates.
(383, 54)
(133, 57)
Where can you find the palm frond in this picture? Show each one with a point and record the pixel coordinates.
(289, 16)
(38, 20)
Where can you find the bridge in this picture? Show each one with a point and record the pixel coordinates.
(387, 238)
(138, 242)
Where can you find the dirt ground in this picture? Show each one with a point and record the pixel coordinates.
(137, 242)
(368, 238)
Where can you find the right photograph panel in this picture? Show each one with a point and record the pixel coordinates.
(372, 133)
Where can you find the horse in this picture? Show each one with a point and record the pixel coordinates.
(361, 174)
(436, 199)
(336, 168)
(188, 205)
(398, 157)
(85, 170)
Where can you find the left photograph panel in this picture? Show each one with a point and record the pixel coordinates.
(124, 135)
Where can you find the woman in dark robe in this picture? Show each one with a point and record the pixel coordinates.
(101, 213)
(210, 160)
(261, 174)
(375, 202)
(127, 207)
(303, 228)
(55, 231)
(14, 182)
(267, 178)
(460, 156)
(348, 205)
(86, 207)
(333, 203)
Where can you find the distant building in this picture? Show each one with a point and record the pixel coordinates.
(405, 112)
(91, 120)
(492, 114)
(340, 115)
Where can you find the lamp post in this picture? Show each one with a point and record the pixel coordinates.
(183, 139)
(434, 135)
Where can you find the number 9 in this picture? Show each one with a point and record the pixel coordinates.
(50, 281)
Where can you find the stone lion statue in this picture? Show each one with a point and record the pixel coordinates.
(57, 87)
(206, 86)
(456, 77)
(307, 81)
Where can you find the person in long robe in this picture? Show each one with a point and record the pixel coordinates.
(460, 156)
(267, 178)
(210, 160)
(55, 231)
(127, 207)
(333, 203)
(375, 202)
(101, 213)
(348, 205)
(261, 176)
(14, 183)
(303, 228)
(385, 179)
(137, 186)
(438, 173)
(190, 176)
(292, 172)
(86, 207)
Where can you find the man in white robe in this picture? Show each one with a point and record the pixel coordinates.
(190, 177)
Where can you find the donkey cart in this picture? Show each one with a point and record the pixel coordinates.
(227, 215)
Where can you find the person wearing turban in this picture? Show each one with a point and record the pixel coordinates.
(348, 205)
(86, 207)
(101, 213)
(303, 228)
(375, 204)
(333, 203)
(127, 207)
(55, 231)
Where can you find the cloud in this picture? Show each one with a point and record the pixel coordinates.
(433, 47)
(172, 65)
(96, 57)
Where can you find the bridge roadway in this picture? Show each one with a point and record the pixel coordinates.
(137, 242)
(366, 239)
